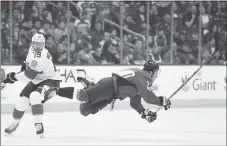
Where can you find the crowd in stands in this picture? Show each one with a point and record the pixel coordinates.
(80, 32)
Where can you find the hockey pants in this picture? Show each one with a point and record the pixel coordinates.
(96, 97)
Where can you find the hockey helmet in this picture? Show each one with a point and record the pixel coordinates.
(151, 66)
(38, 42)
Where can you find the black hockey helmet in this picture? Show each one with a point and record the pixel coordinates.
(151, 66)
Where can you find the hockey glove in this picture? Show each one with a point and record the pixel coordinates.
(166, 103)
(23, 67)
(148, 115)
(10, 78)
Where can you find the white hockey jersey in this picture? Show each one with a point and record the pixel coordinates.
(41, 62)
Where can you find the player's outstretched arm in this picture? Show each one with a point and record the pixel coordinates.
(135, 103)
(157, 100)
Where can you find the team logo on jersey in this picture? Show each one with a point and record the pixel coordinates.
(198, 83)
(33, 63)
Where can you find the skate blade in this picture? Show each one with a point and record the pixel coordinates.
(8, 134)
(40, 135)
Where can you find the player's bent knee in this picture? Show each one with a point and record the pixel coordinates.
(23, 103)
(84, 113)
(35, 98)
(85, 110)
(83, 96)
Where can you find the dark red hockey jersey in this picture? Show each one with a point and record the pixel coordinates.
(141, 88)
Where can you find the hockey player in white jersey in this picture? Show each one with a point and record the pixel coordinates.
(44, 79)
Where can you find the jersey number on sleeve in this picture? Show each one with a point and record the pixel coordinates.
(38, 55)
(127, 73)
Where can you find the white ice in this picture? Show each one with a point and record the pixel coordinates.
(174, 127)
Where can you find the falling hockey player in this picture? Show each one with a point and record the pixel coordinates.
(41, 72)
(132, 83)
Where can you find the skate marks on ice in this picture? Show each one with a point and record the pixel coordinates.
(176, 126)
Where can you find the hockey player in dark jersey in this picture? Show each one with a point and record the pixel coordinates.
(133, 83)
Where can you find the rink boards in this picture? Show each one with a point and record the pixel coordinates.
(206, 88)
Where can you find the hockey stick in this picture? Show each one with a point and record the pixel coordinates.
(212, 55)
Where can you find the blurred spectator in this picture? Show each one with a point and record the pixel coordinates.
(26, 32)
(136, 18)
(190, 18)
(84, 56)
(38, 8)
(73, 54)
(160, 42)
(51, 46)
(167, 56)
(37, 24)
(130, 23)
(129, 58)
(155, 55)
(61, 55)
(82, 32)
(97, 34)
(163, 8)
(59, 18)
(97, 55)
(46, 15)
(85, 25)
(46, 26)
(154, 18)
(109, 53)
(186, 55)
(17, 16)
(205, 20)
(106, 38)
(5, 55)
(140, 57)
(60, 31)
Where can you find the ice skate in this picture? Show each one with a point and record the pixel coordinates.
(39, 129)
(11, 129)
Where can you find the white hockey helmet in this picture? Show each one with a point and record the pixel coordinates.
(38, 42)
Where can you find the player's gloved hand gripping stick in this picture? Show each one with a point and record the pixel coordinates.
(10, 77)
(212, 55)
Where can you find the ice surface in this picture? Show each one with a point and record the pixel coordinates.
(174, 127)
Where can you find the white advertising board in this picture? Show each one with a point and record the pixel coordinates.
(208, 83)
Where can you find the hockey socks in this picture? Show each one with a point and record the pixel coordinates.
(17, 115)
(37, 112)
